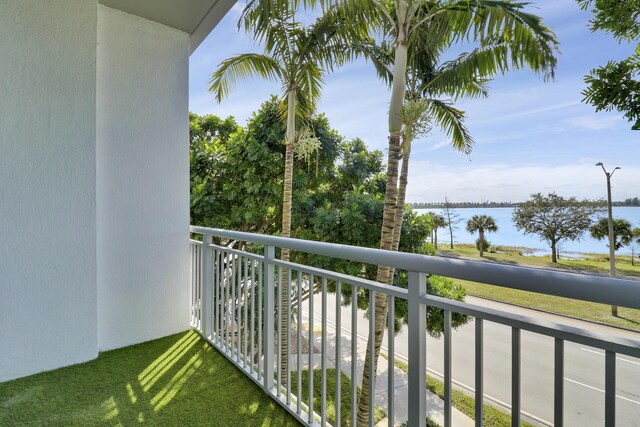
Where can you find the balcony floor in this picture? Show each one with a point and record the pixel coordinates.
(177, 380)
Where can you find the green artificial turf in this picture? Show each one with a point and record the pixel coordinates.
(174, 381)
(345, 395)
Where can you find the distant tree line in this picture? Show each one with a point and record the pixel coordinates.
(461, 205)
(633, 201)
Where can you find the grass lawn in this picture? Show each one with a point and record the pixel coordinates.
(491, 416)
(174, 381)
(627, 318)
(345, 395)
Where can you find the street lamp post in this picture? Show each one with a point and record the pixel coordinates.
(612, 249)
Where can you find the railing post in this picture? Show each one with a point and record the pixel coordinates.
(207, 286)
(269, 315)
(417, 350)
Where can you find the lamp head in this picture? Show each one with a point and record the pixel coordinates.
(599, 164)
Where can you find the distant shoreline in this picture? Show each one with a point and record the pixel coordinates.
(472, 205)
(463, 205)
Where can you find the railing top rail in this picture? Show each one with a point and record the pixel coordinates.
(604, 290)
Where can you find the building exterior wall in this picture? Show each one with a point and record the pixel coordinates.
(142, 179)
(47, 185)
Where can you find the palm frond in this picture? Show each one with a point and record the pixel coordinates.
(260, 15)
(451, 121)
(332, 39)
(381, 56)
(520, 37)
(309, 80)
(465, 76)
(242, 67)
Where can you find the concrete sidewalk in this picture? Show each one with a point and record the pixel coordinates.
(435, 405)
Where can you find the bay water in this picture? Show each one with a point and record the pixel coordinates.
(508, 235)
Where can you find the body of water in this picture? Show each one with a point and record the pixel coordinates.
(508, 235)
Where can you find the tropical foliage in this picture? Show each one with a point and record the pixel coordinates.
(338, 194)
(615, 86)
(622, 232)
(298, 57)
(416, 33)
(437, 222)
(412, 36)
(481, 224)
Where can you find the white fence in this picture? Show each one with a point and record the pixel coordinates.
(237, 304)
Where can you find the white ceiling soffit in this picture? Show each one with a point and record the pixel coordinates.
(196, 17)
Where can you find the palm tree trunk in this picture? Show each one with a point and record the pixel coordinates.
(390, 205)
(402, 194)
(383, 276)
(481, 242)
(435, 239)
(286, 232)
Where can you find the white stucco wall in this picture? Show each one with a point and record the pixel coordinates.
(47, 185)
(142, 179)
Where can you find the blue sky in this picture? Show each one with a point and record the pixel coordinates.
(531, 136)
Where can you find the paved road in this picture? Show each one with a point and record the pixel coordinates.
(584, 368)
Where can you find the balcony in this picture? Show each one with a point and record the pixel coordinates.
(235, 307)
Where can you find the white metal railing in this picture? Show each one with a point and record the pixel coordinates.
(235, 306)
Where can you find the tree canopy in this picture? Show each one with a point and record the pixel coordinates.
(338, 197)
(554, 218)
(615, 85)
(622, 232)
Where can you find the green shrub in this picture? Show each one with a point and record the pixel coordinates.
(484, 243)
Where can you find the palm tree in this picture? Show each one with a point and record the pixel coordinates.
(422, 109)
(481, 223)
(507, 37)
(438, 221)
(298, 57)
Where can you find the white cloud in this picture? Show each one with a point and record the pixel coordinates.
(535, 111)
(502, 182)
(594, 122)
(430, 146)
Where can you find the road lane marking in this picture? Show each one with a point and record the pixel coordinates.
(602, 354)
(497, 401)
(601, 391)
